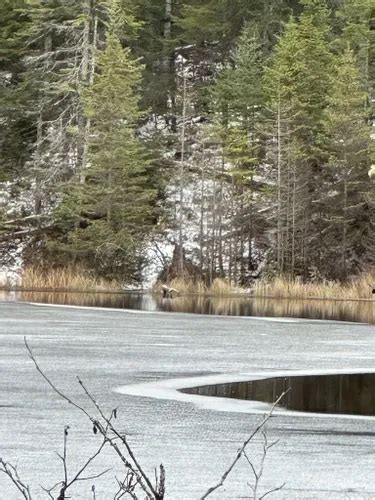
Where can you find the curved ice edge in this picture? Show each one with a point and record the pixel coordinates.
(276, 319)
(170, 390)
(88, 308)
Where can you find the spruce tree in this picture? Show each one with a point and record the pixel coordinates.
(112, 212)
(15, 124)
(355, 19)
(59, 64)
(298, 85)
(239, 101)
(348, 229)
(356, 29)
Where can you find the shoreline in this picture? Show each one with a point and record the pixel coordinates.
(239, 295)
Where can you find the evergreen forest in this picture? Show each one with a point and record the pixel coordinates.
(211, 138)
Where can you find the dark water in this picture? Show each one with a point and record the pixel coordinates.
(226, 306)
(351, 394)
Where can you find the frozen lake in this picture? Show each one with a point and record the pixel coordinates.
(135, 360)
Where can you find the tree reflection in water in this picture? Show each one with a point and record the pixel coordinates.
(344, 393)
(226, 306)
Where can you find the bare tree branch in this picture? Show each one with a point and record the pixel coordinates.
(240, 452)
(62, 395)
(11, 471)
(123, 439)
(135, 476)
(258, 474)
(272, 491)
(142, 479)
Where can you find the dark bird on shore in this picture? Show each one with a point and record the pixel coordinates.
(168, 292)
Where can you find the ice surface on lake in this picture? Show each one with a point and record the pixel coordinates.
(110, 349)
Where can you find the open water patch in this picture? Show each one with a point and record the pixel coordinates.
(352, 394)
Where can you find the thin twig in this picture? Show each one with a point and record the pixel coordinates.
(123, 440)
(94, 476)
(11, 471)
(49, 490)
(272, 491)
(243, 447)
(64, 459)
(142, 479)
(51, 384)
(84, 467)
(258, 475)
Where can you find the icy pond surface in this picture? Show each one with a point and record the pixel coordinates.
(137, 361)
(358, 311)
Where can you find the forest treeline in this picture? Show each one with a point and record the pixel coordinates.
(238, 131)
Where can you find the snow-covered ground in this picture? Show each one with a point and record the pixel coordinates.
(126, 358)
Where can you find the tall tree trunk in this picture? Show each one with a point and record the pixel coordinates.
(169, 66)
(242, 237)
(201, 220)
(293, 238)
(345, 224)
(38, 159)
(88, 76)
(279, 224)
(168, 19)
(220, 218)
(231, 239)
(250, 261)
(214, 225)
(181, 181)
(38, 196)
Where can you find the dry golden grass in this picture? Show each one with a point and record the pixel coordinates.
(222, 287)
(182, 286)
(74, 279)
(187, 286)
(280, 288)
(4, 282)
(358, 288)
(78, 279)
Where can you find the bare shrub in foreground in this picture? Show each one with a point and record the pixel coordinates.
(136, 482)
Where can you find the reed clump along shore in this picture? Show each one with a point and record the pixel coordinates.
(281, 288)
(78, 279)
(65, 279)
(357, 289)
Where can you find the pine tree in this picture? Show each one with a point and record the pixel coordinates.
(156, 46)
(356, 29)
(57, 42)
(15, 124)
(225, 19)
(239, 103)
(112, 212)
(348, 226)
(298, 85)
(355, 20)
(60, 63)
